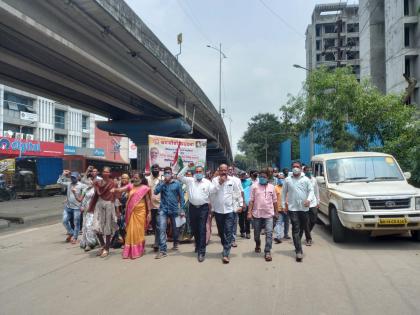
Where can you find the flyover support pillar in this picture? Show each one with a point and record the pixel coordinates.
(142, 156)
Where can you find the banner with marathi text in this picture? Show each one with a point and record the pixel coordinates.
(172, 152)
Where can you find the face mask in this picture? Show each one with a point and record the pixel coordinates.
(308, 174)
(280, 182)
(263, 180)
(137, 182)
(167, 176)
(155, 173)
(74, 180)
(296, 171)
(198, 176)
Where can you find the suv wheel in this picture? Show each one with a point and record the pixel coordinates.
(415, 235)
(339, 232)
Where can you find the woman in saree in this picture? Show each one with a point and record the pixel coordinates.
(137, 216)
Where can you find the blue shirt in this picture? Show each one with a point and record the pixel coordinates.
(171, 196)
(246, 185)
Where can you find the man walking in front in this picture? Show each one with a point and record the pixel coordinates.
(239, 204)
(262, 207)
(153, 180)
(223, 202)
(199, 190)
(171, 201)
(297, 191)
(313, 207)
(72, 207)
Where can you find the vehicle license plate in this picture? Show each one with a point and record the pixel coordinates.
(392, 221)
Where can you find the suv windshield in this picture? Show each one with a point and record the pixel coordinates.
(377, 168)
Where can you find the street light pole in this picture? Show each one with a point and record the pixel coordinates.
(300, 67)
(221, 56)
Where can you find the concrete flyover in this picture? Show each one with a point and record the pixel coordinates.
(99, 55)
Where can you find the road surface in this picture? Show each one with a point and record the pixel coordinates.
(40, 274)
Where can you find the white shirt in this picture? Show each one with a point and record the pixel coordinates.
(239, 202)
(297, 191)
(224, 197)
(198, 191)
(315, 200)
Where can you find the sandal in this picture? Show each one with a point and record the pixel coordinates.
(268, 257)
(257, 249)
(68, 238)
(225, 260)
(73, 241)
(99, 253)
(104, 253)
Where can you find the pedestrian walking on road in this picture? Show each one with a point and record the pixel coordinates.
(282, 214)
(239, 203)
(171, 204)
(262, 209)
(313, 207)
(153, 180)
(72, 206)
(105, 218)
(199, 190)
(297, 195)
(137, 216)
(223, 202)
(88, 240)
(244, 223)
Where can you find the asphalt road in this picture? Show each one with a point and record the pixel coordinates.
(40, 274)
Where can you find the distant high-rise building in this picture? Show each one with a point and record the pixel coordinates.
(332, 39)
(389, 45)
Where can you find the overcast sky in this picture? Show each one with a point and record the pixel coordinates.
(261, 43)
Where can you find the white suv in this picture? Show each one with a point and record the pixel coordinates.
(365, 191)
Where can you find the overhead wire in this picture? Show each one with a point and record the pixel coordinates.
(194, 21)
(279, 17)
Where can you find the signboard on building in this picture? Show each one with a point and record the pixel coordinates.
(72, 150)
(16, 147)
(166, 151)
(28, 116)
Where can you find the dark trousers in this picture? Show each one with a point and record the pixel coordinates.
(224, 224)
(244, 223)
(286, 218)
(313, 216)
(198, 220)
(299, 221)
(155, 226)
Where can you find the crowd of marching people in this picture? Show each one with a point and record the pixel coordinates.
(104, 212)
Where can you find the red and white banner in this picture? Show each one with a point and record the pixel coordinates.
(21, 147)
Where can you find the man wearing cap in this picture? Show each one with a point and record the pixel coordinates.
(72, 206)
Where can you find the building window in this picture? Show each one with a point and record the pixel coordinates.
(318, 30)
(407, 36)
(407, 67)
(84, 142)
(351, 55)
(352, 27)
(59, 138)
(318, 57)
(60, 119)
(329, 42)
(329, 57)
(17, 102)
(353, 41)
(406, 8)
(318, 45)
(85, 122)
(356, 70)
(329, 28)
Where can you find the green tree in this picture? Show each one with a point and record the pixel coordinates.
(262, 129)
(347, 115)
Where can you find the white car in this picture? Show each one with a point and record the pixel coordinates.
(365, 191)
